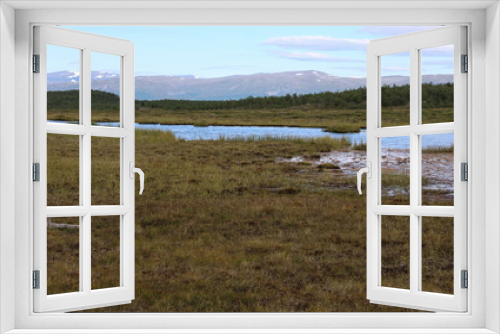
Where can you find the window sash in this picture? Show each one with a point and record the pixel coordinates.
(86, 297)
(414, 298)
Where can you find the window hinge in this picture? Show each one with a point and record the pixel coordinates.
(465, 279)
(36, 63)
(36, 279)
(464, 171)
(465, 64)
(36, 172)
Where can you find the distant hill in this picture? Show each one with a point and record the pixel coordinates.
(433, 96)
(231, 87)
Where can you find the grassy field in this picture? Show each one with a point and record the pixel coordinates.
(336, 120)
(341, 121)
(233, 225)
(310, 110)
(223, 226)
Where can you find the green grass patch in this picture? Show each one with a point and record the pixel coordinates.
(438, 149)
(344, 128)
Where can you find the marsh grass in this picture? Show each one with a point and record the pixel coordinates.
(438, 149)
(395, 231)
(223, 227)
(343, 127)
(341, 120)
(105, 258)
(105, 171)
(332, 120)
(437, 254)
(395, 188)
(63, 170)
(63, 260)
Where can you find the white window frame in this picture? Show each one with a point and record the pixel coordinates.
(484, 48)
(415, 297)
(86, 297)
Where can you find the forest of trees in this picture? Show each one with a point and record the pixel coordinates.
(433, 96)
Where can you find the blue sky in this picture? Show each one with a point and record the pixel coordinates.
(206, 52)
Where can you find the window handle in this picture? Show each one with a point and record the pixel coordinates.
(368, 171)
(139, 171)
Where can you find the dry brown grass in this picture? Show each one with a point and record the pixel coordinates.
(223, 227)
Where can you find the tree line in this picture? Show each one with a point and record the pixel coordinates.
(433, 96)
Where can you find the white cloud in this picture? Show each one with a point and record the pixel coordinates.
(312, 56)
(324, 43)
(360, 67)
(227, 67)
(443, 62)
(395, 68)
(308, 56)
(440, 51)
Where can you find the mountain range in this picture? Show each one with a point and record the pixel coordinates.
(233, 87)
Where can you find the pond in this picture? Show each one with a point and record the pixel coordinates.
(191, 132)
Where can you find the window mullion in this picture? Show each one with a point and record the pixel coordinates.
(86, 138)
(109, 210)
(421, 211)
(85, 256)
(66, 129)
(81, 241)
(415, 183)
(434, 129)
(393, 131)
(110, 132)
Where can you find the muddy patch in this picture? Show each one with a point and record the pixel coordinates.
(437, 168)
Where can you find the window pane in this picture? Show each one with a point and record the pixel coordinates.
(63, 170)
(105, 87)
(63, 250)
(395, 98)
(437, 84)
(395, 251)
(63, 84)
(437, 254)
(395, 168)
(437, 169)
(105, 252)
(105, 171)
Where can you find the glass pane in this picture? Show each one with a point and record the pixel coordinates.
(437, 169)
(395, 97)
(395, 167)
(63, 84)
(63, 250)
(105, 87)
(437, 84)
(63, 170)
(105, 252)
(437, 254)
(105, 171)
(395, 251)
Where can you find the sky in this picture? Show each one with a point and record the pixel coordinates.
(216, 51)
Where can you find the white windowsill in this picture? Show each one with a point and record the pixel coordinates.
(481, 317)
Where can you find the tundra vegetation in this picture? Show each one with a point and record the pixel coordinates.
(235, 225)
(336, 112)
